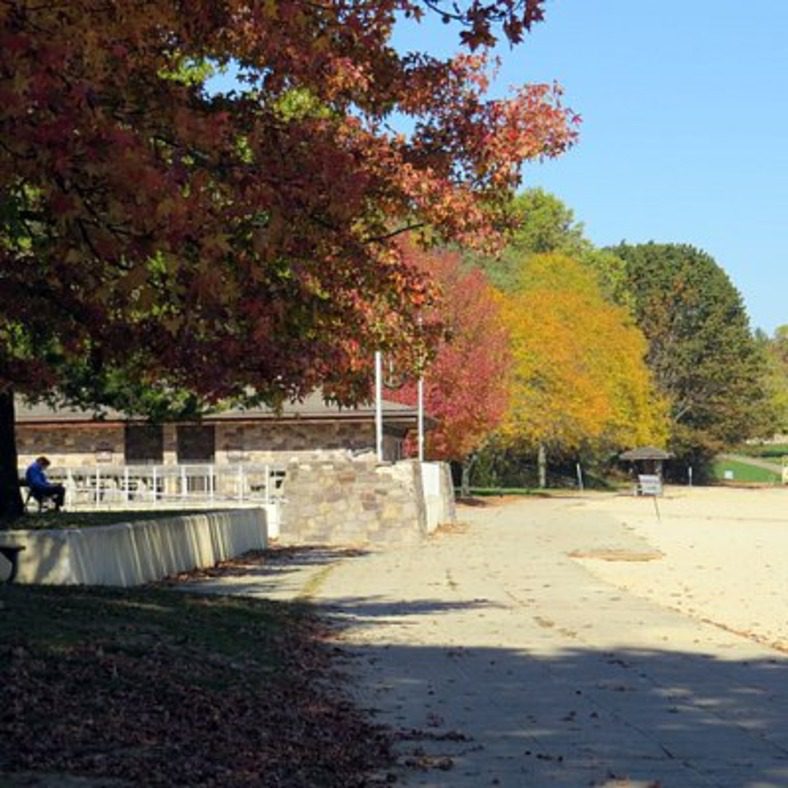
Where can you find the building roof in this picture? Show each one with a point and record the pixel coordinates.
(645, 453)
(312, 408)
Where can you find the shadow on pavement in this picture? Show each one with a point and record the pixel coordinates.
(540, 715)
(467, 716)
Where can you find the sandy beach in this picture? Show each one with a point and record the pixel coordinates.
(715, 554)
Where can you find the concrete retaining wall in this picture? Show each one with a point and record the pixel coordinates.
(438, 494)
(272, 512)
(128, 554)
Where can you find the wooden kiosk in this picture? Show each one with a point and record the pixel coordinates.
(647, 462)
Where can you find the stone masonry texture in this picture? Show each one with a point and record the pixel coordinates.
(353, 501)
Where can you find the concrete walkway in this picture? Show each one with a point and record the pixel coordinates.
(501, 660)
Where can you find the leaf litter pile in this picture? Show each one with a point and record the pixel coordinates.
(161, 687)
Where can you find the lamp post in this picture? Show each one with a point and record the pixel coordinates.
(420, 417)
(420, 398)
(379, 383)
(379, 404)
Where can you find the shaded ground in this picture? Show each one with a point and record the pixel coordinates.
(156, 687)
(497, 658)
(596, 641)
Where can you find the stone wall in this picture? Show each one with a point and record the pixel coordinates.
(76, 445)
(270, 443)
(71, 446)
(353, 501)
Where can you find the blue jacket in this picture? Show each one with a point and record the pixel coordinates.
(36, 478)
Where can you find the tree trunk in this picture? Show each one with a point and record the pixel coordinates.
(465, 479)
(541, 461)
(11, 505)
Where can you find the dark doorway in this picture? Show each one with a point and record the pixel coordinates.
(143, 444)
(196, 444)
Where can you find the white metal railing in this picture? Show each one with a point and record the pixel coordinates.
(100, 486)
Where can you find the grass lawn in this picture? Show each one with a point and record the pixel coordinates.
(742, 472)
(161, 687)
(482, 492)
(77, 519)
(767, 451)
(548, 492)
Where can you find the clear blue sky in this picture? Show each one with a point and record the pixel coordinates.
(685, 125)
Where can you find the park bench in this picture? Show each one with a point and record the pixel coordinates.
(11, 553)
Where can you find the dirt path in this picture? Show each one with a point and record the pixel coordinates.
(500, 659)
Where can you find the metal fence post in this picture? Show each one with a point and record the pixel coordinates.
(70, 487)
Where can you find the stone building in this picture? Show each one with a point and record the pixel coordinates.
(309, 429)
(312, 467)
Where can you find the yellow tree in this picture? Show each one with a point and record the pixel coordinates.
(579, 376)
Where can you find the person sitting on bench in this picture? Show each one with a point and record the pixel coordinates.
(40, 486)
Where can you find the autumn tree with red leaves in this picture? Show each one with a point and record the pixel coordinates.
(219, 243)
(466, 387)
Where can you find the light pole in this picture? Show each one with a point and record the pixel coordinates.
(379, 383)
(420, 397)
(379, 404)
(420, 418)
